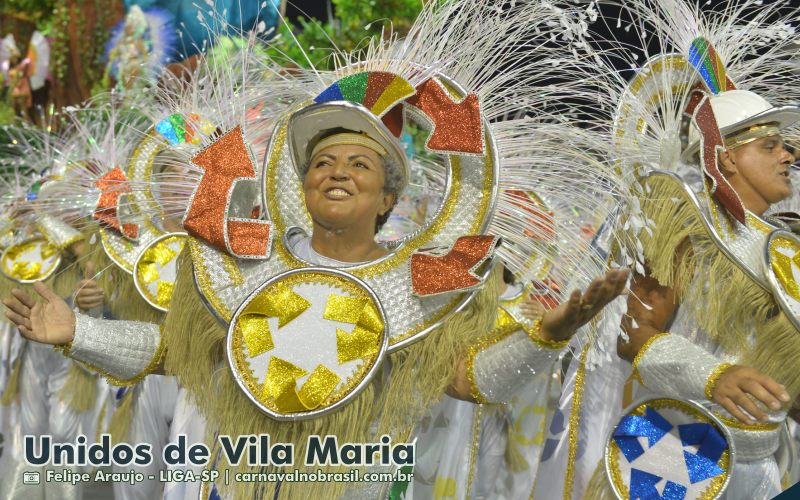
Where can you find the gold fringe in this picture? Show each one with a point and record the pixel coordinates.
(12, 386)
(127, 303)
(419, 376)
(599, 488)
(80, 389)
(728, 305)
(123, 416)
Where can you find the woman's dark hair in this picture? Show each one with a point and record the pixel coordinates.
(508, 276)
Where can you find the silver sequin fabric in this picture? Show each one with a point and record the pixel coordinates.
(57, 232)
(503, 367)
(123, 349)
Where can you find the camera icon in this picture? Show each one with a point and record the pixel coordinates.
(30, 478)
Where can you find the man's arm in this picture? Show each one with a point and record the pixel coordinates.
(675, 366)
(651, 307)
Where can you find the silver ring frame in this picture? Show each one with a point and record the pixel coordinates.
(52, 271)
(773, 280)
(139, 286)
(694, 404)
(307, 415)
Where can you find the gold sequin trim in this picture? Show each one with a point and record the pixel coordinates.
(712, 379)
(535, 334)
(574, 423)
(639, 355)
(477, 420)
(757, 223)
(64, 348)
(735, 424)
(782, 264)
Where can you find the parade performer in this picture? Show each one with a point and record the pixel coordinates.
(275, 296)
(711, 316)
(139, 48)
(41, 383)
(492, 450)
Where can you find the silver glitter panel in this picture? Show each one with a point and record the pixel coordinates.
(123, 349)
(747, 244)
(403, 310)
(59, 233)
(503, 367)
(124, 252)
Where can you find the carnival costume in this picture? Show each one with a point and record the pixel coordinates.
(412, 313)
(708, 89)
(40, 382)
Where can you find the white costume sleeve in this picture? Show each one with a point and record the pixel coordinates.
(500, 366)
(676, 367)
(122, 351)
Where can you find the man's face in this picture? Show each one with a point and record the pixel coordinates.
(763, 166)
(344, 187)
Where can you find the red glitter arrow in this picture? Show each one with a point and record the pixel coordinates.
(111, 186)
(432, 274)
(223, 162)
(457, 125)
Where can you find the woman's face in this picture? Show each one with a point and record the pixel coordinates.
(344, 187)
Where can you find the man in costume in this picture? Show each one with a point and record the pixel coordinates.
(709, 319)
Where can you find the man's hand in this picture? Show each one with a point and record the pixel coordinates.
(51, 322)
(732, 388)
(562, 322)
(88, 293)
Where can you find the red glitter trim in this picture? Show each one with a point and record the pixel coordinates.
(710, 146)
(457, 125)
(111, 185)
(432, 274)
(223, 162)
(394, 120)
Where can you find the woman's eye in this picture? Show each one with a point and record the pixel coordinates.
(321, 164)
(359, 164)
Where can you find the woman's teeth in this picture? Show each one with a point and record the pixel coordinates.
(338, 192)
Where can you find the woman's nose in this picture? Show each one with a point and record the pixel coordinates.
(339, 171)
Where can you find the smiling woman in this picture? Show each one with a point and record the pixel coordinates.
(350, 188)
(352, 176)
